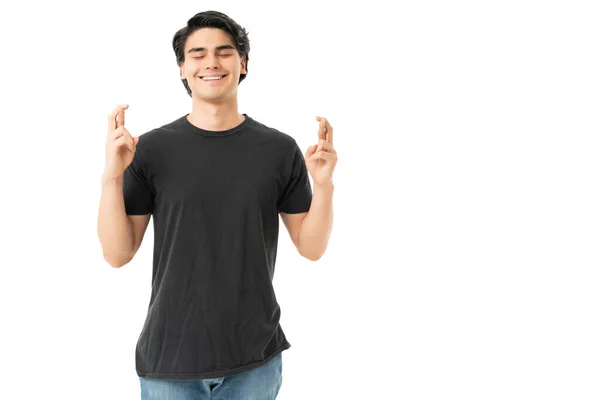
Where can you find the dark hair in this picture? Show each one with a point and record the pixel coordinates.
(211, 19)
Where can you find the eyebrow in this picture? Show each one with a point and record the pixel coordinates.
(222, 47)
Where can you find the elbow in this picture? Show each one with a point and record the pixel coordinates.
(312, 257)
(113, 263)
(312, 253)
(116, 262)
(116, 265)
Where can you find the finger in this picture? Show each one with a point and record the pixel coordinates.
(329, 148)
(329, 130)
(130, 143)
(317, 155)
(118, 132)
(320, 144)
(323, 155)
(112, 120)
(122, 131)
(124, 141)
(310, 151)
(322, 128)
(121, 117)
(127, 134)
(112, 117)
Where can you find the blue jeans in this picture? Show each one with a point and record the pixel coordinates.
(261, 383)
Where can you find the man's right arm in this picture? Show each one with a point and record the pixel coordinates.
(120, 235)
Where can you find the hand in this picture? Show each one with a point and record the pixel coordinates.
(120, 146)
(321, 158)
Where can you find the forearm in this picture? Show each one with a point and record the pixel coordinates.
(114, 227)
(317, 225)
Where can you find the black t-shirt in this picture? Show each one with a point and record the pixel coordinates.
(215, 199)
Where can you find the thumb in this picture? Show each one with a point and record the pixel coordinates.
(310, 150)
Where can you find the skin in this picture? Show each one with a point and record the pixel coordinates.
(214, 105)
(310, 231)
(120, 235)
(215, 108)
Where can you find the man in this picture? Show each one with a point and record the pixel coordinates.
(216, 182)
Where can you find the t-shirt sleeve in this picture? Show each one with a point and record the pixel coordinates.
(137, 189)
(297, 196)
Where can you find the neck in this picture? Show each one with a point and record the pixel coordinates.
(219, 116)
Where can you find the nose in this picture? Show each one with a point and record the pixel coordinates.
(212, 61)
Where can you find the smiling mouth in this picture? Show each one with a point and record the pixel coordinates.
(213, 79)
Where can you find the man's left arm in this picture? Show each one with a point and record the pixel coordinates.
(310, 231)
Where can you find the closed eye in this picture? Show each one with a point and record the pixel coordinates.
(224, 55)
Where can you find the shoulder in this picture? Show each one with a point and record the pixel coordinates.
(152, 143)
(271, 133)
(276, 142)
(156, 138)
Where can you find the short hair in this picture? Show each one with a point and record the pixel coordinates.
(211, 19)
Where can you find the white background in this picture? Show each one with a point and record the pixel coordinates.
(464, 258)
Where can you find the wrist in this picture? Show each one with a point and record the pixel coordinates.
(328, 186)
(111, 180)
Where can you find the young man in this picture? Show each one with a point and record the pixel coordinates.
(215, 182)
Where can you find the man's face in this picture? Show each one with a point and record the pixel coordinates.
(211, 52)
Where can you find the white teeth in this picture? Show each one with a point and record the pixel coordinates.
(212, 78)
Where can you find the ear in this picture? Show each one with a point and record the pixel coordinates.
(243, 70)
(181, 69)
